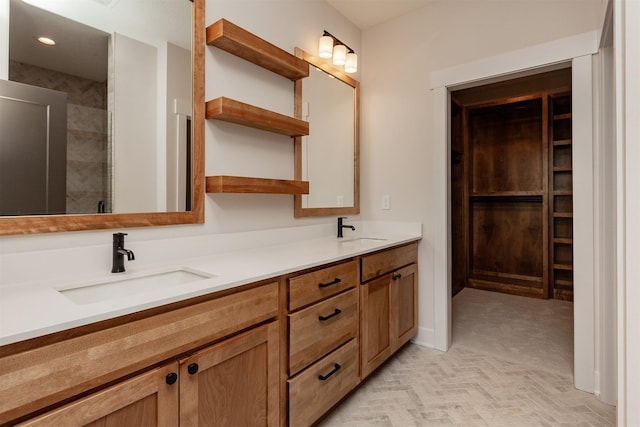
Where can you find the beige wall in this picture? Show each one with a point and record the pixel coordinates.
(399, 154)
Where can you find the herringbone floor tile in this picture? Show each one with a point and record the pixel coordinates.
(468, 386)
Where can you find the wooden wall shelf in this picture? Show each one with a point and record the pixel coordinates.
(229, 110)
(240, 184)
(240, 42)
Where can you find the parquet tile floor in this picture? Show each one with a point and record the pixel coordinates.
(479, 384)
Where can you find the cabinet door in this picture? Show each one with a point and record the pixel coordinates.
(375, 323)
(233, 383)
(388, 315)
(404, 304)
(147, 400)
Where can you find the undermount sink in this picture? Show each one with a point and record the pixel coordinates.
(362, 240)
(122, 288)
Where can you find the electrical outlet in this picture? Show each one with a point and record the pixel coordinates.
(386, 202)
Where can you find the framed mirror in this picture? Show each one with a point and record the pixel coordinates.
(148, 119)
(328, 157)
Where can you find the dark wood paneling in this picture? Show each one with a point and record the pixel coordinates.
(458, 257)
(507, 147)
(507, 241)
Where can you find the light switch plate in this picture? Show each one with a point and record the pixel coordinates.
(386, 202)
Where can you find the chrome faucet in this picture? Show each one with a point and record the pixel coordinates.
(119, 252)
(341, 225)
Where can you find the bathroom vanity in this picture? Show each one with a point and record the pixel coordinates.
(277, 350)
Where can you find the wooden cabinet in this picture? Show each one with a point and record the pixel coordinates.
(316, 389)
(149, 399)
(388, 305)
(234, 383)
(34, 379)
(224, 360)
(323, 345)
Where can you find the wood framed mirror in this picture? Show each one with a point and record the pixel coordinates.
(191, 209)
(329, 158)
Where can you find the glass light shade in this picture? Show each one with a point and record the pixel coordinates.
(325, 47)
(339, 54)
(351, 64)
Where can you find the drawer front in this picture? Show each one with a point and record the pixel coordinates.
(383, 262)
(315, 286)
(316, 330)
(43, 376)
(316, 389)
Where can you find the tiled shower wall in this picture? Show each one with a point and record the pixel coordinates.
(87, 133)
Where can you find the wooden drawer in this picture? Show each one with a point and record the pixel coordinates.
(315, 286)
(46, 375)
(383, 262)
(316, 389)
(316, 330)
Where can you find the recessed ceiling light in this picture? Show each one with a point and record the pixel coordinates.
(47, 41)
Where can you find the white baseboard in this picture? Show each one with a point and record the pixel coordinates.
(425, 338)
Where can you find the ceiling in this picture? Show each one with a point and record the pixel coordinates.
(82, 50)
(368, 13)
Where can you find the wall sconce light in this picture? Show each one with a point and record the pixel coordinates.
(329, 46)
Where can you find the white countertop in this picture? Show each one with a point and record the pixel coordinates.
(29, 310)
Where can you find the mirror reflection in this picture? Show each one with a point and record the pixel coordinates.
(327, 152)
(100, 122)
(328, 157)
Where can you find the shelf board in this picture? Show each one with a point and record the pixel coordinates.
(240, 42)
(562, 116)
(563, 192)
(241, 184)
(561, 142)
(508, 194)
(563, 214)
(562, 168)
(563, 240)
(558, 282)
(568, 267)
(229, 110)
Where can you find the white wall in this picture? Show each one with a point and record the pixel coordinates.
(627, 67)
(399, 156)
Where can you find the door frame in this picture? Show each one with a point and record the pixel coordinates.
(575, 52)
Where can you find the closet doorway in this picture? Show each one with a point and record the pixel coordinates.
(511, 187)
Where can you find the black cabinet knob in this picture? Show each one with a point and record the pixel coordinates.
(171, 378)
(193, 368)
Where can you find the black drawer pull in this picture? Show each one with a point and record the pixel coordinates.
(335, 313)
(396, 276)
(193, 368)
(336, 368)
(326, 285)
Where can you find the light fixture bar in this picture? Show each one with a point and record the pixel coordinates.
(337, 41)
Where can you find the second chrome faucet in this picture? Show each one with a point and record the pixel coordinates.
(119, 252)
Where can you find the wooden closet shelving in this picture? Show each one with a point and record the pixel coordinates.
(505, 195)
(239, 42)
(561, 204)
